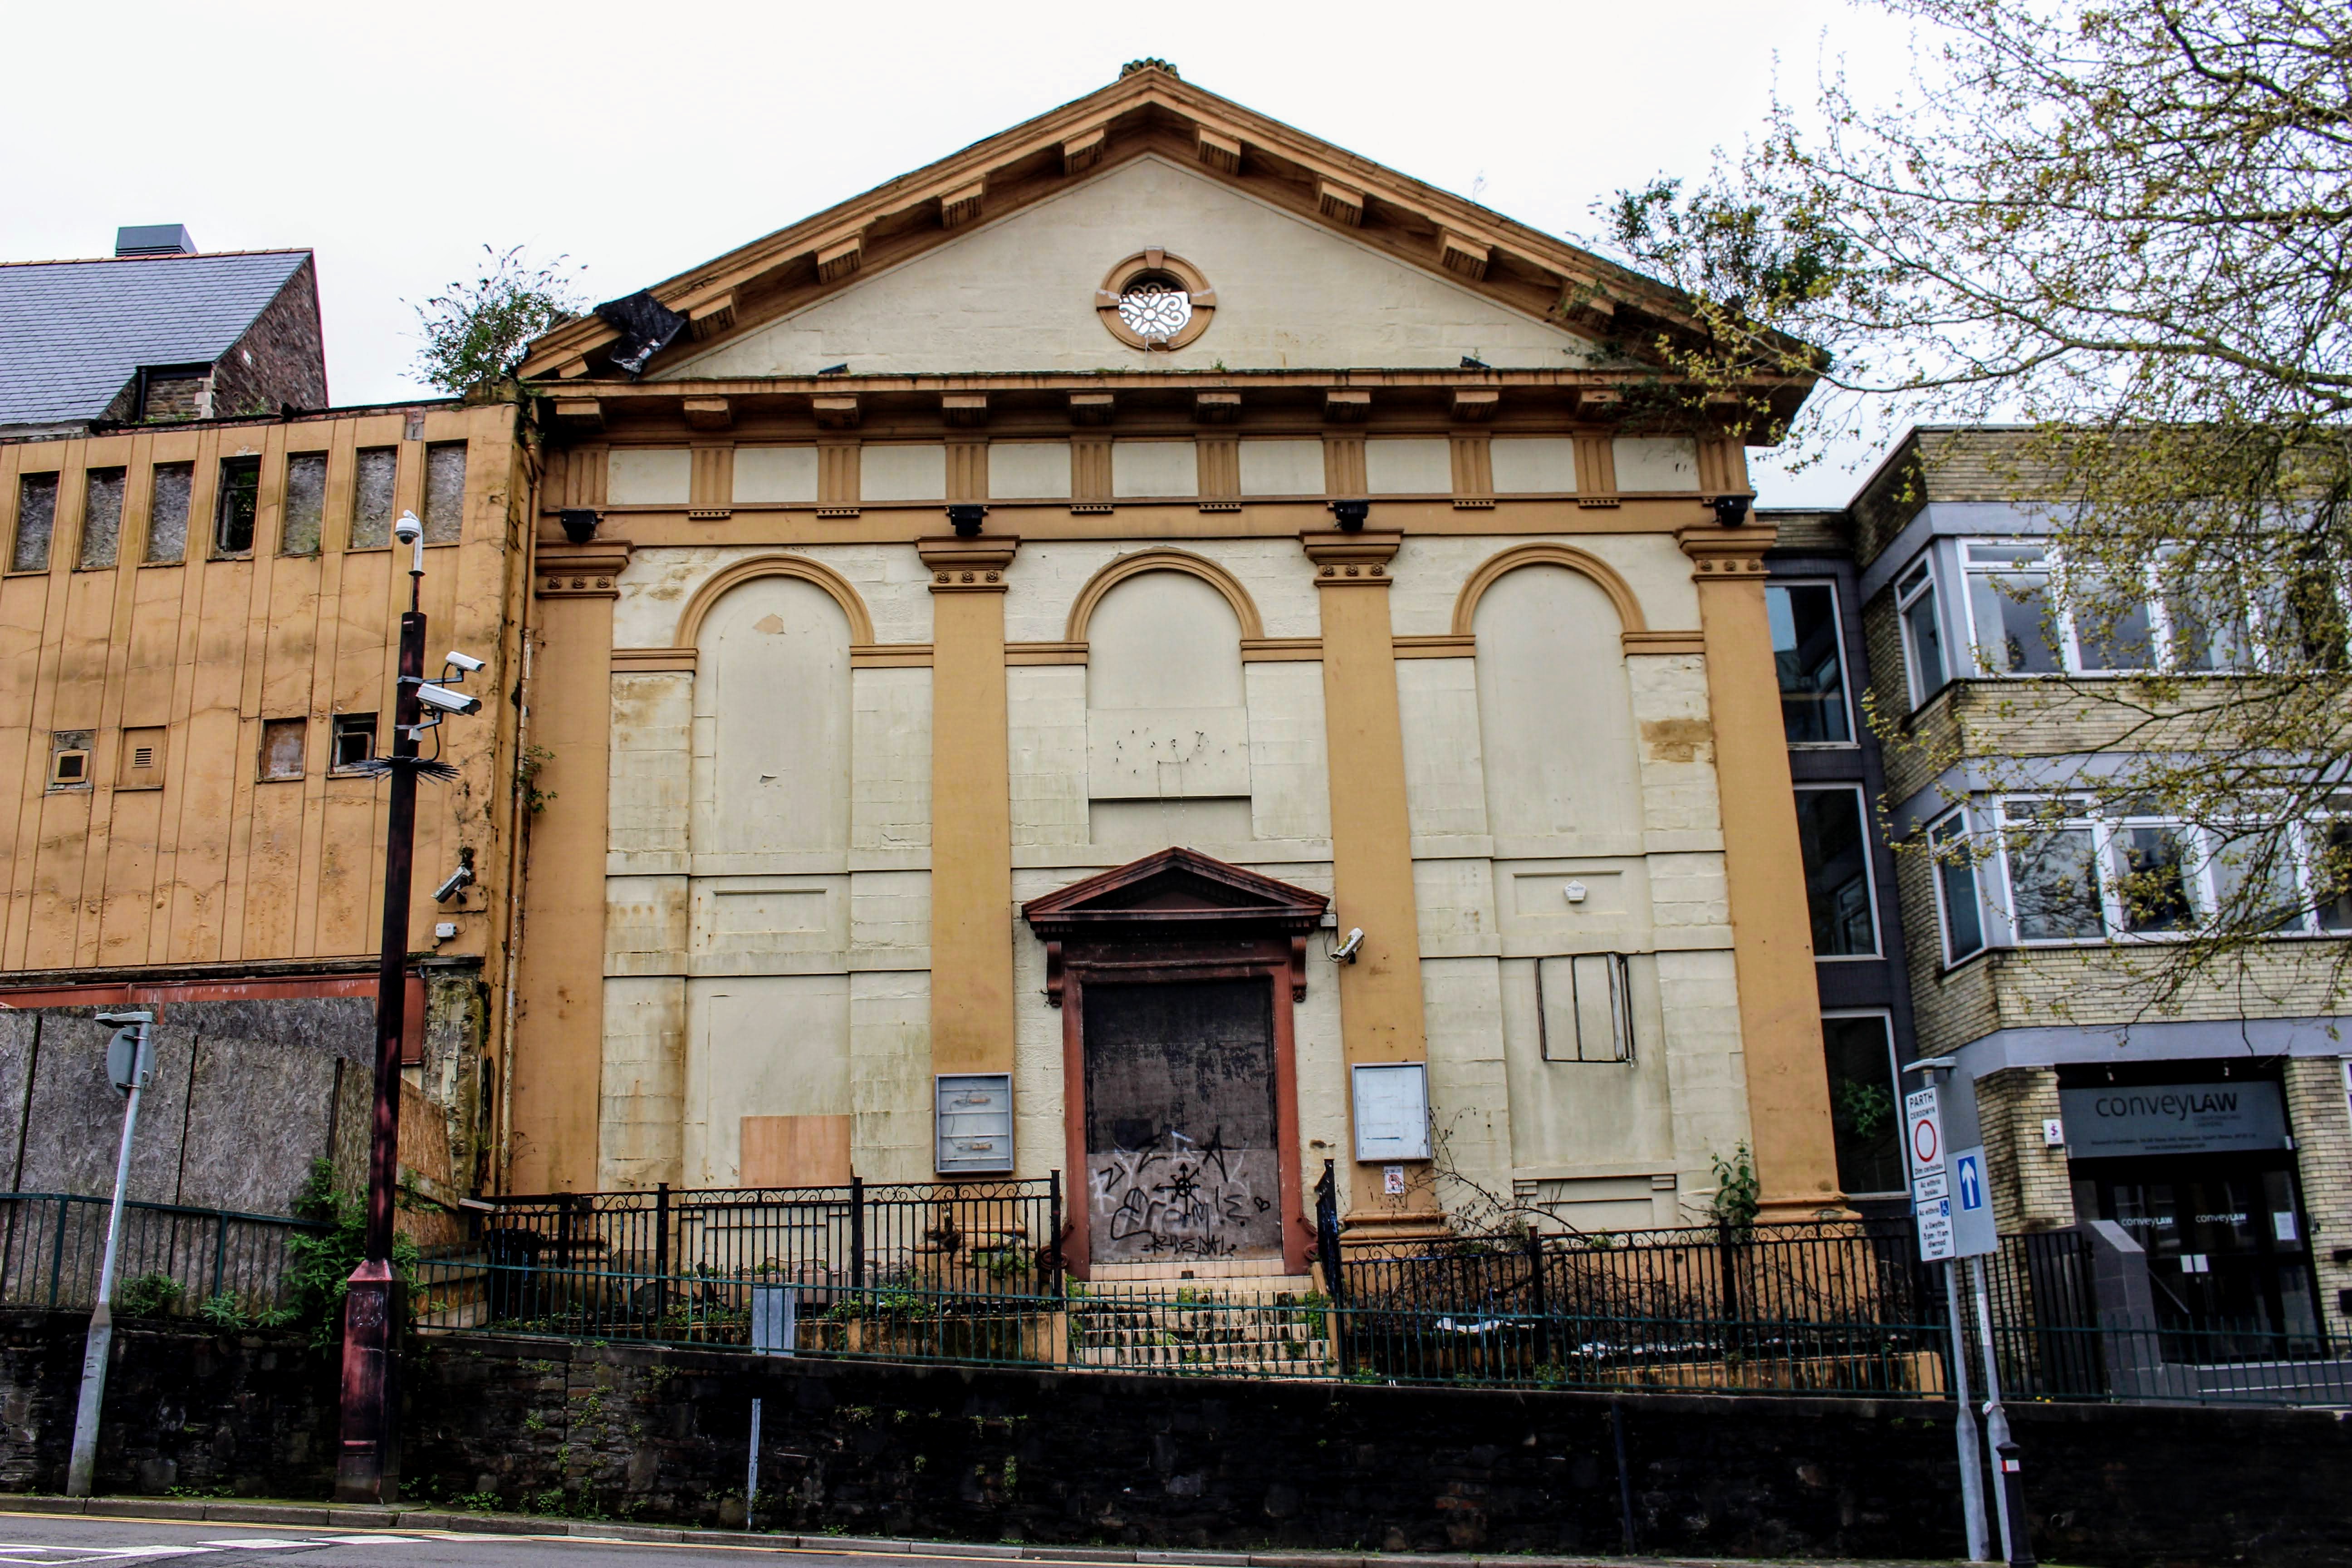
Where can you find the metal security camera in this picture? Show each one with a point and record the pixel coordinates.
(465, 661)
(1346, 951)
(406, 528)
(447, 701)
(459, 880)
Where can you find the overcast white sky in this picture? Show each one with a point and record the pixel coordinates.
(640, 140)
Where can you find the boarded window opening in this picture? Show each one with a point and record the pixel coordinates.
(355, 741)
(37, 516)
(306, 503)
(69, 758)
(1584, 1009)
(143, 759)
(281, 747)
(101, 519)
(240, 499)
(445, 493)
(379, 467)
(167, 516)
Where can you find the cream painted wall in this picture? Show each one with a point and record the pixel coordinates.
(643, 476)
(781, 971)
(1029, 471)
(1554, 712)
(1430, 570)
(772, 727)
(1657, 463)
(770, 1045)
(780, 980)
(1282, 468)
(1018, 294)
(1166, 714)
(1504, 755)
(658, 583)
(1408, 464)
(1532, 464)
(890, 471)
(775, 474)
(1146, 468)
(1047, 577)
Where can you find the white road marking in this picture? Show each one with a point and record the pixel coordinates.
(262, 1544)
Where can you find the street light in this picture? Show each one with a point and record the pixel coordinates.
(367, 1468)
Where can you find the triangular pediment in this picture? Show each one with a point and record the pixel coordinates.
(1175, 887)
(1361, 262)
(1021, 293)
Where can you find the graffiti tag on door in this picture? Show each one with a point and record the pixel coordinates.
(1182, 1198)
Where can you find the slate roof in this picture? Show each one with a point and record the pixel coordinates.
(72, 334)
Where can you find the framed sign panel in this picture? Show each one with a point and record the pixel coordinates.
(1392, 1112)
(974, 1124)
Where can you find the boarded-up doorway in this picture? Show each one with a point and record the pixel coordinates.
(1183, 1130)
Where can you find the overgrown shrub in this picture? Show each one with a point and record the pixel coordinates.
(320, 1261)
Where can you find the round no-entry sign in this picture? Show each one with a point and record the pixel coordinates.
(1922, 1130)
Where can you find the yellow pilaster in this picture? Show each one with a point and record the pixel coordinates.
(971, 811)
(560, 1031)
(1381, 1016)
(1771, 935)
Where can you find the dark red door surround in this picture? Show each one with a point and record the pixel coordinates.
(1182, 918)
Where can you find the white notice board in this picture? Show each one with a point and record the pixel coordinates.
(1392, 1112)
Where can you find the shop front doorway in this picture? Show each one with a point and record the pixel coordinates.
(2228, 1255)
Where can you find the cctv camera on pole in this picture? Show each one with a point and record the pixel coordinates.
(368, 1469)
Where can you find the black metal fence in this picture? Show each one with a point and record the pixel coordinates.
(173, 1261)
(971, 1272)
(685, 1264)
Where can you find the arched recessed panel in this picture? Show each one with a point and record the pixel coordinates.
(836, 587)
(1166, 713)
(1554, 709)
(771, 722)
(1145, 561)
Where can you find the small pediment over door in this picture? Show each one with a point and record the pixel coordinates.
(1175, 894)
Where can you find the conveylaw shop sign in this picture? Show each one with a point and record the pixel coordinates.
(2172, 1119)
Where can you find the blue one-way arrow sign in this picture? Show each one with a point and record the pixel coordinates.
(1972, 1222)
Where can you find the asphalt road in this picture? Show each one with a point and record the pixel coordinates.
(47, 1540)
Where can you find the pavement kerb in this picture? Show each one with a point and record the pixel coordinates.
(178, 1511)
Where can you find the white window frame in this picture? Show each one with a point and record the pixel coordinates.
(2199, 873)
(1845, 667)
(1924, 572)
(2162, 644)
(1976, 885)
(1869, 877)
(1893, 1071)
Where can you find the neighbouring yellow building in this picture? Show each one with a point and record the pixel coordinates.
(998, 642)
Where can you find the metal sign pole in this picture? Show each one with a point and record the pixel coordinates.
(1931, 1208)
(1971, 1479)
(2015, 1546)
(82, 1468)
(752, 1476)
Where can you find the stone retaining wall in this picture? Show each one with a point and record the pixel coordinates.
(864, 1450)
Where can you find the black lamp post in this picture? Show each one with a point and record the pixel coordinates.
(367, 1470)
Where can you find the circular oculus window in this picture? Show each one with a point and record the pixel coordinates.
(1155, 300)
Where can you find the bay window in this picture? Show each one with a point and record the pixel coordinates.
(2076, 875)
(1955, 887)
(1923, 637)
